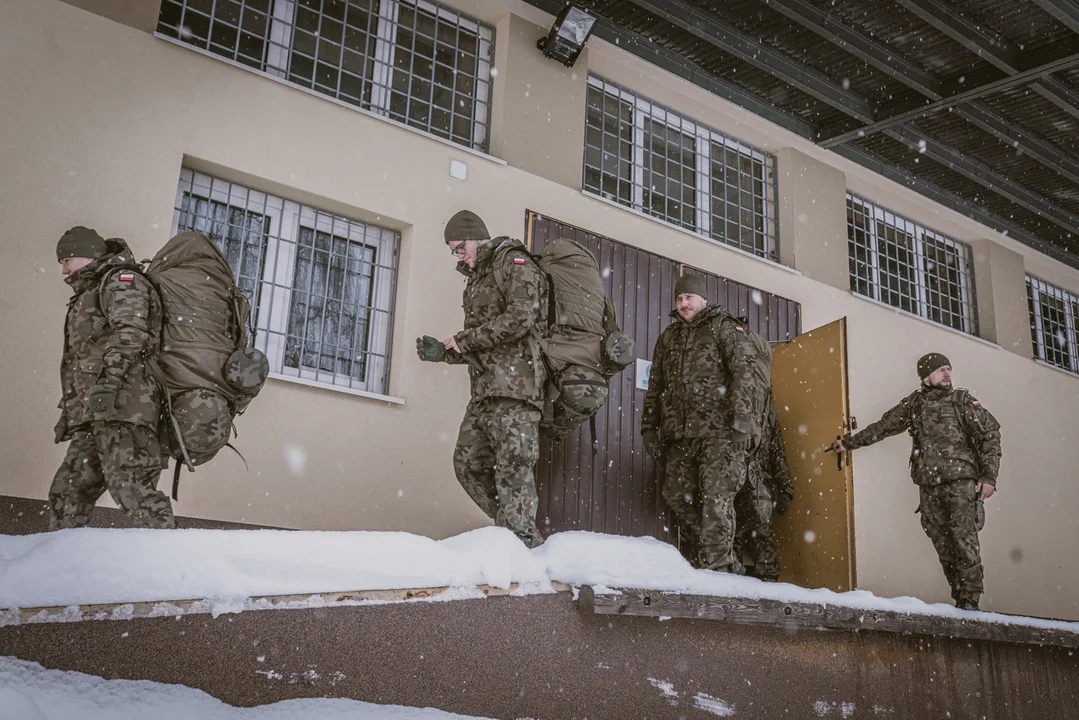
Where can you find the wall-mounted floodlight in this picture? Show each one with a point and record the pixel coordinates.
(568, 35)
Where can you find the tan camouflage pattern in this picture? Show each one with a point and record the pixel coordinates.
(952, 515)
(577, 393)
(112, 328)
(505, 315)
(767, 479)
(955, 438)
(703, 475)
(120, 457)
(702, 380)
(495, 460)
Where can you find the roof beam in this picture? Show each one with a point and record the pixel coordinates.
(733, 41)
(828, 140)
(873, 52)
(984, 175)
(1065, 12)
(998, 51)
(879, 56)
(974, 37)
(679, 66)
(960, 205)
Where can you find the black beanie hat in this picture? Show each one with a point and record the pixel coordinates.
(80, 242)
(930, 363)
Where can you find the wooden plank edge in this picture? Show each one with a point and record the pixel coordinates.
(172, 608)
(774, 613)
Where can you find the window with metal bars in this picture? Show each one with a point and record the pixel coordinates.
(644, 156)
(413, 61)
(321, 286)
(900, 263)
(1054, 324)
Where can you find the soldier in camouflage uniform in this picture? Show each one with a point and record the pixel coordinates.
(699, 414)
(498, 443)
(110, 404)
(954, 461)
(767, 493)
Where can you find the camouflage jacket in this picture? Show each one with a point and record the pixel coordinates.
(505, 304)
(702, 380)
(113, 325)
(769, 460)
(955, 438)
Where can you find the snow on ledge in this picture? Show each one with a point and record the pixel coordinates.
(227, 568)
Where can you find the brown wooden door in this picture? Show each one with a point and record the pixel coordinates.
(617, 491)
(816, 537)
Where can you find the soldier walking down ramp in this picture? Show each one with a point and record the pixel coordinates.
(700, 415)
(110, 404)
(954, 461)
(498, 443)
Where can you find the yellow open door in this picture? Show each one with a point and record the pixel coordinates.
(816, 537)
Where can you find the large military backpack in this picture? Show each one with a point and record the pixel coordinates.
(760, 361)
(208, 373)
(584, 347)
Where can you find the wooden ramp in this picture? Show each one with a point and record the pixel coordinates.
(774, 613)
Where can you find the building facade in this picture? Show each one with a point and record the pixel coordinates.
(324, 146)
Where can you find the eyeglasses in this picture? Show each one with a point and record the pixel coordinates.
(459, 251)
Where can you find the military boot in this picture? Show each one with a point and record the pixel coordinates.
(968, 604)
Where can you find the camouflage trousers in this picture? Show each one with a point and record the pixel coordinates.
(754, 510)
(574, 396)
(120, 457)
(495, 462)
(703, 476)
(952, 516)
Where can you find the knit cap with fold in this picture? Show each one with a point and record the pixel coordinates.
(80, 242)
(466, 225)
(930, 363)
(690, 284)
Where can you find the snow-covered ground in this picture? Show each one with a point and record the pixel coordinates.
(226, 567)
(30, 692)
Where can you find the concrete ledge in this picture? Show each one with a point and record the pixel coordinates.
(773, 613)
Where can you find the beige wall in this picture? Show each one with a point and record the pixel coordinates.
(97, 119)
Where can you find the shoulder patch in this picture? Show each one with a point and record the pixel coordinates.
(126, 277)
(518, 261)
(739, 329)
(975, 403)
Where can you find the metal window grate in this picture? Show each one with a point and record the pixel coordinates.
(644, 156)
(321, 286)
(416, 62)
(902, 264)
(1054, 324)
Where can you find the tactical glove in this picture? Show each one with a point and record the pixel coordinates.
(652, 445)
(741, 442)
(101, 398)
(430, 349)
(783, 502)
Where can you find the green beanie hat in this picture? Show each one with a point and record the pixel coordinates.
(466, 225)
(930, 363)
(690, 284)
(80, 242)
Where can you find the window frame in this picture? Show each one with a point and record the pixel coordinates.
(272, 304)
(921, 238)
(1036, 287)
(278, 40)
(642, 109)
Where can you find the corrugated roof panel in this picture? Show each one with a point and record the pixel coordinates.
(1030, 110)
(1020, 21)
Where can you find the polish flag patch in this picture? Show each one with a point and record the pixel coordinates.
(741, 330)
(126, 277)
(975, 403)
(518, 261)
